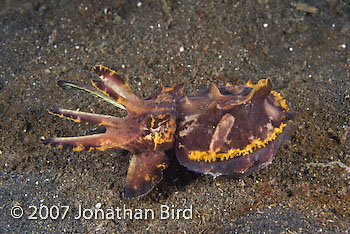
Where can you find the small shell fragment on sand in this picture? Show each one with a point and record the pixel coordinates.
(304, 7)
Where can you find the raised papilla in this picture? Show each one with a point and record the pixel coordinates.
(230, 130)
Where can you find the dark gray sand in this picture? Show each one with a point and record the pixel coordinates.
(303, 48)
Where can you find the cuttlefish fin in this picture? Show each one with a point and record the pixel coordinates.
(145, 171)
(260, 90)
(258, 94)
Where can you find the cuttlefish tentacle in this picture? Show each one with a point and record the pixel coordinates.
(91, 90)
(114, 86)
(115, 90)
(80, 143)
(118, 134)
(116, 82)
(146, 168)
(79, 116)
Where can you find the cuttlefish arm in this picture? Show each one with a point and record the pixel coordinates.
(91, 90)
(119, 133)
(145, 171)
(146, 131)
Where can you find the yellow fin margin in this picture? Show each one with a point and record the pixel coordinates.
(210, 156)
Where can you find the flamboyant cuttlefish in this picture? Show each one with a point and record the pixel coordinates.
(230, 130)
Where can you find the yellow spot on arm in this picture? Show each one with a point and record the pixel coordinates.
(106, 146)
(78, 148)
(66, 117)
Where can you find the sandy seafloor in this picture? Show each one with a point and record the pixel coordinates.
(305, 51)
